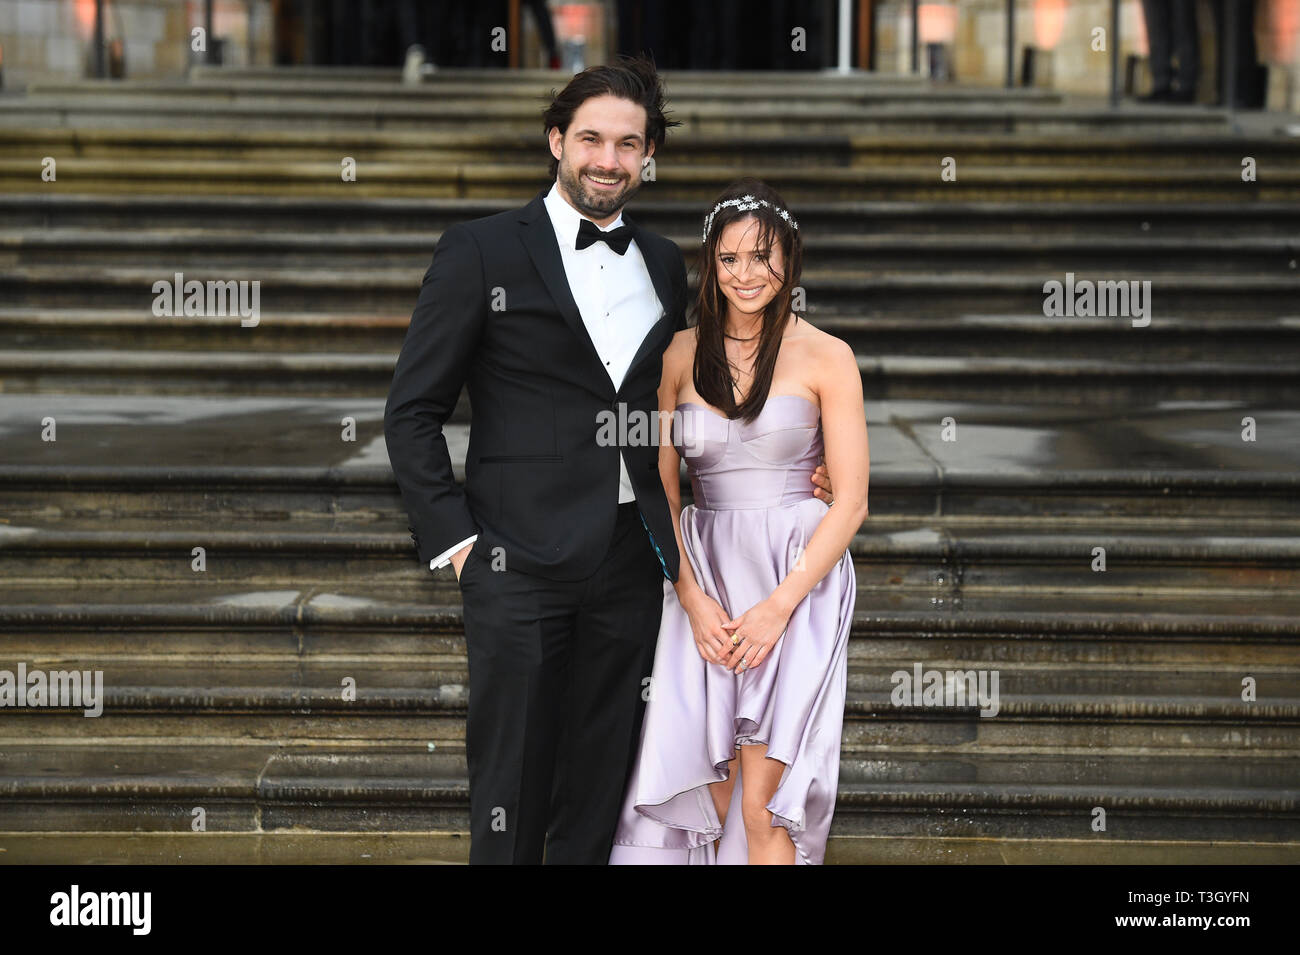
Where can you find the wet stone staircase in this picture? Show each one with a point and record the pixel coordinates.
(300, 695)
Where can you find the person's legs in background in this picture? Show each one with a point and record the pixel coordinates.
(546, 31)
(1172, 35)
(1157, 15)
(1249, 86)
(1186, 43)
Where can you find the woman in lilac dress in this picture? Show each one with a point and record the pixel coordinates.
(740, 747)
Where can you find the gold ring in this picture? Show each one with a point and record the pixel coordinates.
(735, 639)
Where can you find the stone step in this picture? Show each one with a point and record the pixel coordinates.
(1070, 729)
(742, 79)
(931, 558)
(163, 508)
(391, 628)
(874, 728)
(1205, 715)
(202, 73)
(208, 250)
(1137, 149)
(195, 458)
(698, 183)
(1170, 339)
(1092, 381)
(827, 291)
(902, 493)
(525, 94)
(759, 117)
(905, 794)
(942, 563)
(1081, 381)
(394, 683)
(253, 215)
(294, 846)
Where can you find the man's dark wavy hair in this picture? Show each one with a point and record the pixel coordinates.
(628, 77)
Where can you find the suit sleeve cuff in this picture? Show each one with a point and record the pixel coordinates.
(443, 559)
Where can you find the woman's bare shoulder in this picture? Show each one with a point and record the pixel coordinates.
(679, 356)
(821, 348)
(681, 348)
(684, 339)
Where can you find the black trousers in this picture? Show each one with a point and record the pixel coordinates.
(1249, 86)
(557, 673)
(1171, 32)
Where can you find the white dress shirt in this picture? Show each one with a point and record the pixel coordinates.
(618, 304)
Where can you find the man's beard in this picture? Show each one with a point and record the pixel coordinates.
(595, 204)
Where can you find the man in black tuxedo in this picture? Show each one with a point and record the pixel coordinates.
(552, 314)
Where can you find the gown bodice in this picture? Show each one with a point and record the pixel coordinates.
(735, 464)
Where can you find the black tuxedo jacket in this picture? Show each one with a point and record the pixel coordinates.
(495, 313)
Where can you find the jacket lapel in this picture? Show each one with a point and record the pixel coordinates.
(663, 289)
(538, 237)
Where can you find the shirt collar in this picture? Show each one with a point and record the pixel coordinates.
(565, 219)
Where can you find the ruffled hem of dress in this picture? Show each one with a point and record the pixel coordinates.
(788, 812)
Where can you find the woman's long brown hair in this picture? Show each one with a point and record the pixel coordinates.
(711, 373)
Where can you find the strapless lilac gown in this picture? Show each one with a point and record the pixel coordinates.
(753, 515)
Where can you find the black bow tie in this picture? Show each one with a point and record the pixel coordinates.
(616, 239)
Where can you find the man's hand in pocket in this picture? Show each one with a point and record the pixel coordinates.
(458, 559)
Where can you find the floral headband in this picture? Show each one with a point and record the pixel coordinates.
(745, 203)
